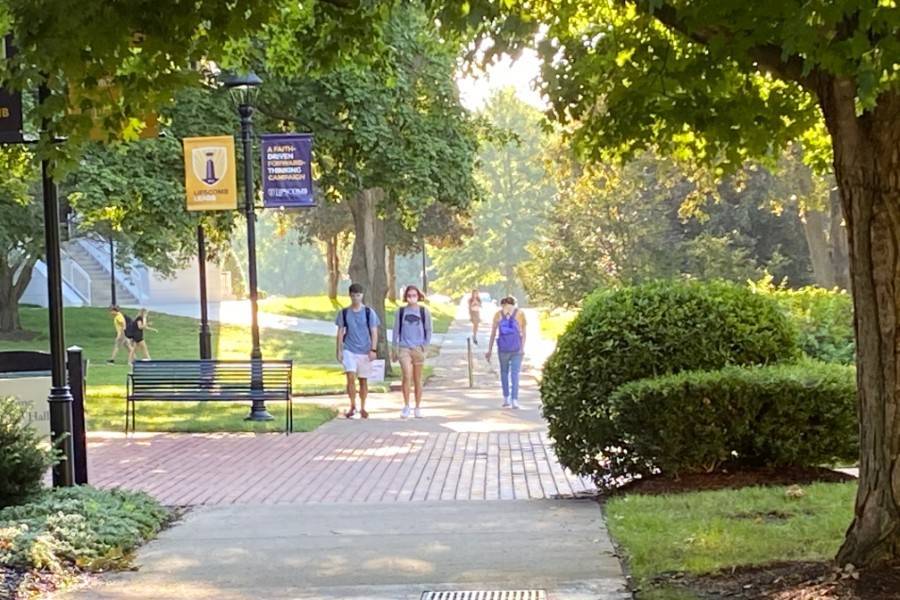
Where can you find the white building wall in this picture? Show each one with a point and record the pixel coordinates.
(185, 286)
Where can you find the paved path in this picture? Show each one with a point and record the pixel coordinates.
(470, 497)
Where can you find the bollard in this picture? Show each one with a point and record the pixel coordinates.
(76, 365)
(471, 363)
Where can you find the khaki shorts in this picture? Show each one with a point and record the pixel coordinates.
(414, 356)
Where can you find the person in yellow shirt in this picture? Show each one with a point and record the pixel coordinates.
(120, 321)
(509, 332)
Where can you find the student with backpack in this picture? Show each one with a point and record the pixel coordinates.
(134, 331)
(412, 335)
(509, 331)
(357, 344)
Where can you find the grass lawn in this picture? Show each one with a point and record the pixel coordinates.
(705, 531)
(323, 309)
(315, 370)
(554, 323)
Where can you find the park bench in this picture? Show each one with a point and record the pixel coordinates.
(209, 381)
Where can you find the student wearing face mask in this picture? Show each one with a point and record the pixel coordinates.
(509, 330)
(412, 335)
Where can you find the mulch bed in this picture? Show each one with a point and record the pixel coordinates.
(792, 581)
(720, 480)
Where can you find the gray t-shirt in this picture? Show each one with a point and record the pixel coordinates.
(415, 332)
(359, 338)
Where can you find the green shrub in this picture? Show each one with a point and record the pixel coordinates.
(81, 526)
(23, 459)
(626, 334)
(801, 414)
(823, 318)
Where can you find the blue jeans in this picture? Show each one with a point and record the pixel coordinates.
(510, 367)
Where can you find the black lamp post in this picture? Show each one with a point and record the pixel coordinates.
(243, 90)
(60, 397)
(112, 272)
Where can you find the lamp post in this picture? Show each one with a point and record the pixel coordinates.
(112, 272)
(60, 397)
(243, 90)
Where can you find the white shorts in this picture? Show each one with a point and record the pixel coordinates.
(357, 363)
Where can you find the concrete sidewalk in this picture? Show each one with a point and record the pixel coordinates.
(469, 498)
(381, 552)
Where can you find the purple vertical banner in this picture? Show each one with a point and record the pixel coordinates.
(287, 170)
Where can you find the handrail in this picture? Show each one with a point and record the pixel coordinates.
(77, 278)
(102, 258)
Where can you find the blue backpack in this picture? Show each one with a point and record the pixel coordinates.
(510, 338)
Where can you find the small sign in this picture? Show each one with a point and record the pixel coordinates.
(31, 394)
(209, 173)
(10, 103)
(287, 170)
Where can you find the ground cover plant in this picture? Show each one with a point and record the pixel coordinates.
(59, 533)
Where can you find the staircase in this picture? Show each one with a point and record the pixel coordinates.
(99, 274)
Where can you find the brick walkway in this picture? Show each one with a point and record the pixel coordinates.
(466, 449)
(410, 466)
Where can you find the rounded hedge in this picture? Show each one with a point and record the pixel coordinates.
(23, 460)
(791, 414)
(654, 329)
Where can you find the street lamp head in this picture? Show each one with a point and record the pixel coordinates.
(243, 87)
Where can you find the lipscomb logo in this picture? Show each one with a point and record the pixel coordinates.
(210, 164)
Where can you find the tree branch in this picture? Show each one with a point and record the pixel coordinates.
(767, 56)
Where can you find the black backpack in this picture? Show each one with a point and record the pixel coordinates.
(421, 314)
(368, 322)
(130, 327)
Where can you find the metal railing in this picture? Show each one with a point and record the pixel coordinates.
(136, 281)
(77, 278)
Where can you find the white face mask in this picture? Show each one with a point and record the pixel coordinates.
(508, 308)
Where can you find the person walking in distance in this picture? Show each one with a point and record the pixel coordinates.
(357, 344)
(121, 322)
(135, 333)
(475, 314)
(509, 330)
(412, 335)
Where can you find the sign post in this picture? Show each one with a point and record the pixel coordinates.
(287, 170)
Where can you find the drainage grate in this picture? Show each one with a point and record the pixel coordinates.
(487, 595)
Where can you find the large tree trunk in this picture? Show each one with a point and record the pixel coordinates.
(867, 168)
(14, 278)
(367, 264)
(333, 260)
(815, 229)
(840, 258)
(391, 275)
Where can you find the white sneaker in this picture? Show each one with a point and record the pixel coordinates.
(506, 403)
(404, 414)
(418, 412)
(515, 405)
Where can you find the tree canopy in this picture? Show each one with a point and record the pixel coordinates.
(517, 191)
